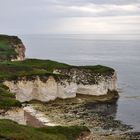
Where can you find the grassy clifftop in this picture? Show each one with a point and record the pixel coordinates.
(7, 49)
(31, 67)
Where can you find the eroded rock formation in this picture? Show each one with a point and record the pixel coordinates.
(37, 89)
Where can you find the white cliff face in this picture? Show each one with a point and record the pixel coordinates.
(27, 90)
(104, 84)
(20, 50)
(43, 91)
(15, 114)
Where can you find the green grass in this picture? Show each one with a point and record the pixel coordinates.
(10, 130)
(31, 67)
(16, 70)
(98, 69)
(48, 65)
(7, 99)
(7, 51)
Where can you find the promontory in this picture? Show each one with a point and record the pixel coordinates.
(23, 80)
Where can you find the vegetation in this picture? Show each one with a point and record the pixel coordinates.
(7, 51)
(7, 99)
(10, 130)
(102, 70)
(31, 67)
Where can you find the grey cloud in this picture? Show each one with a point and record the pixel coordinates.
(67, 8)
(37, 16)
(81, 2)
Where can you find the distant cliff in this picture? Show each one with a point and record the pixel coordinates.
(11, 48)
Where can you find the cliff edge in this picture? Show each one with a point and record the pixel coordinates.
(11, 48)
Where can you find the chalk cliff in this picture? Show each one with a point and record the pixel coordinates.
(11, 48)
(14, 114)
(37, 89)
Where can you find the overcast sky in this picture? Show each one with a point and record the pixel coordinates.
(70, 16)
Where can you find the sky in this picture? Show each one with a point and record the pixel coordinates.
(70, 16)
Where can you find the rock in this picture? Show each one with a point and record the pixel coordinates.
(14, 114)
(27, 90)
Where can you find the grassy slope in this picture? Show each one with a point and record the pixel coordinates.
(12, 131)
(7, 100)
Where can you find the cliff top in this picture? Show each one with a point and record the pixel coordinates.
(35, 67)
(13, 39)
(8, 47)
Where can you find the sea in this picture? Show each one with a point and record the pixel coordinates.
(121, 52)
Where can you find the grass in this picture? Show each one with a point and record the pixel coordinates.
(103, 70)
(10, 130)
(40, 67)
(7, 99)
(7, 51)
(48, 65)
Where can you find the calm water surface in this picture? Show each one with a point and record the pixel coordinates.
(120, 52)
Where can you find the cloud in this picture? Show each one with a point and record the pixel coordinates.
(98, 25)
(96, 10)
(82, 2)
(70, 16)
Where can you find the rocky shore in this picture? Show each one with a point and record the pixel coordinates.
(99, 117)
